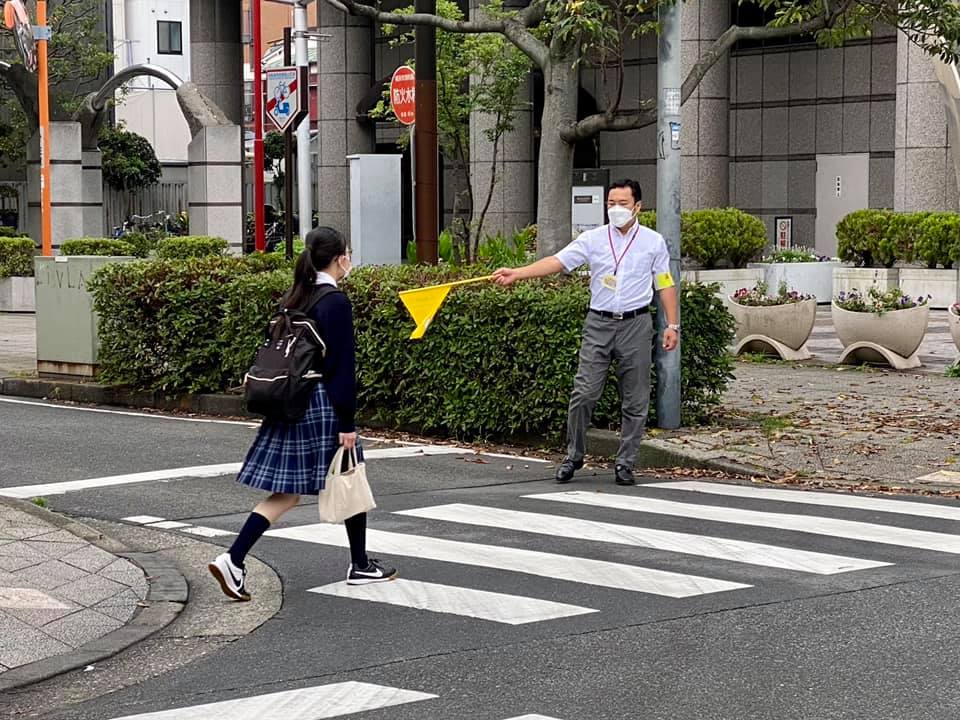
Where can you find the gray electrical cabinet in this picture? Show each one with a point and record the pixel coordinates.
(375, 209)
(589, 199)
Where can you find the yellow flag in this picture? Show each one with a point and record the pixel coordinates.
(424, 303)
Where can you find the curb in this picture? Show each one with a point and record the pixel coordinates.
(167, 596)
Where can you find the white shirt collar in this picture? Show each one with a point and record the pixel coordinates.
(325, 279)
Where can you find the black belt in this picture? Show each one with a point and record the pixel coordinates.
(621, 316)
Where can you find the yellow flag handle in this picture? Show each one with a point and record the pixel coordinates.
(471, 280)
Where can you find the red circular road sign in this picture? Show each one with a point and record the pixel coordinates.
(403, 95)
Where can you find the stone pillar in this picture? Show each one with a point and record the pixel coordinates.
(216, 53)
(513, 203)
(705, 118)
(93, 221)
(344, 78)
(215, 185)
(924, 178)
(66, 185)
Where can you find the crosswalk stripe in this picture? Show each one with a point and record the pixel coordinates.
(531, 562)
(712, 547)
(533, 717)
(497, 607)
(853, 502)
(314, 703)
(847, 529)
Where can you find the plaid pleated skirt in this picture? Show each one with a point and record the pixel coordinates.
(294, 457)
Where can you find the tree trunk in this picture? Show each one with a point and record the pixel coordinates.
(555, 183)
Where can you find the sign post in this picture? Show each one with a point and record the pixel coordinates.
(403, 101)
(256, 60)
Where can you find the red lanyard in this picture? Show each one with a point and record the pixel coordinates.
(618, 260)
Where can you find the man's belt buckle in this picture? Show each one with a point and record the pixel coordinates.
(618, 316)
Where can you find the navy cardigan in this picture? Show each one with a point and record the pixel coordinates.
(334, 318)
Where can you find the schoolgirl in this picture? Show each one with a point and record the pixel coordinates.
(288, 460)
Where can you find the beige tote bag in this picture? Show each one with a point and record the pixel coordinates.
(346, 492)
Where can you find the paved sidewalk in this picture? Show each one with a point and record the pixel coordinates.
(839, 423)
(58, 591)
(18, 344)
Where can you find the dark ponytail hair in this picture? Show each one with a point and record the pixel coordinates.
(323, 246)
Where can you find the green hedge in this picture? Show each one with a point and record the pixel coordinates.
(882, 238)
(16, 257)
(495, 363)
(9, 232)
(97, 246)
(184, 248)
(938, 239)
(731, 235)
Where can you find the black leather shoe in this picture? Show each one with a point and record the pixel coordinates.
(567, 469)
(624, 475)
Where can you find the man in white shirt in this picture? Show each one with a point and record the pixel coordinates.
(627, 260)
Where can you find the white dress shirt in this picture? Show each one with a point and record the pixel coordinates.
(642, 254)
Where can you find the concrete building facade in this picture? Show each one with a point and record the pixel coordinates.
(785, 129)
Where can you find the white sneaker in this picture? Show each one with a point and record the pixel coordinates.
(374, 572)
(231, 578)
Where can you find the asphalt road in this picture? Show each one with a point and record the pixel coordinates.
(586, 601)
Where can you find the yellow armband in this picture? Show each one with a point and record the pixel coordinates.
(664, 281)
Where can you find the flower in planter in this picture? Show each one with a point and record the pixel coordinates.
(758, 296)
(795, 255)
(878, 301)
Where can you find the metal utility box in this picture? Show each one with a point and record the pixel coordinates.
(67, 339)
(589, 199)
(375, 209)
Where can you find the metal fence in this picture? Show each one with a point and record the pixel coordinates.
(117, 206)
(13, 208)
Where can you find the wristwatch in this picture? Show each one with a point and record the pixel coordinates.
(671, 326)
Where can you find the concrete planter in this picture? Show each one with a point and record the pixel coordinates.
(807, 278)
(17, 294)
(780, 329)
(892, 338)
(730, 280)
(954, 317)
(942, 285)
(67, 340)
(847, 278)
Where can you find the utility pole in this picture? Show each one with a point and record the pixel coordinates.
(426, 150)
(668, 197)
(288, 160)
(304, 166)
(43, 94)
(256, 62)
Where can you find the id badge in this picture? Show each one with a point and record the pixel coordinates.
(609, 282)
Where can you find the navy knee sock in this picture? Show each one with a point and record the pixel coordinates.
(255, 526)
(357, 535)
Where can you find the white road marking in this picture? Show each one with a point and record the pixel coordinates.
(207, 531)
(847, 529)
(705, 546)
(80, 408)
(533, 717)
(826, 499)
(561, 567)
(497, 607)
(208, 471)
(199, 471)
(169, 525)
(315, 703)
(142, 519)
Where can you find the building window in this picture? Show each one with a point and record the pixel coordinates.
(169, 38)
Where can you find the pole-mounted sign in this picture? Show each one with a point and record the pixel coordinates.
(403, 95)
(287, 95)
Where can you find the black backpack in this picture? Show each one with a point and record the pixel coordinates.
(284, 375)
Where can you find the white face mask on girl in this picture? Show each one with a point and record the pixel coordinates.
(346, 270)
(619, 215)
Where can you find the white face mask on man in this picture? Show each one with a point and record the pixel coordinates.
(619, 215)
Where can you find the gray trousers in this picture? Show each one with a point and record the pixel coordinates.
(630, 343)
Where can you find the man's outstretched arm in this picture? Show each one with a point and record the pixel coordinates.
(541, 268)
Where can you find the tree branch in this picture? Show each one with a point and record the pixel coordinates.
(646, 114)
(529, 17)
